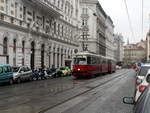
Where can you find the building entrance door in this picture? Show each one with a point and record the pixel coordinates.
(32, 55)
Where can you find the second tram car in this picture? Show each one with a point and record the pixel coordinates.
(88, 64)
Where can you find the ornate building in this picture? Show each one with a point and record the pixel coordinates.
(135, 52)
(93, 27)
(39, 33)
(109, 33)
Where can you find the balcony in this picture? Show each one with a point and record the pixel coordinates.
(46, 6)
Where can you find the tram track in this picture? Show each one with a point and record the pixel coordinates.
(89, 87)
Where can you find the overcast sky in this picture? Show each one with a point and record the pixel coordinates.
(116, 10)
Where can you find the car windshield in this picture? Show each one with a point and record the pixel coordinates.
(15, 69)
(62, 68)
(143, 71)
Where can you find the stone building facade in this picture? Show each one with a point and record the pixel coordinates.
(39, 33)
(109, 33)
(93, 27)
(135, 52)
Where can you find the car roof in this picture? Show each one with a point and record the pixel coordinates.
(146, 65)
(1, 65)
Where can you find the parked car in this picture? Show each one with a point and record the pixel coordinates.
(142, 72)
(143, 84)
(140, 76)
(118, 67)
(6, 74)
(22, 73)
(64, 71)
(142, 104)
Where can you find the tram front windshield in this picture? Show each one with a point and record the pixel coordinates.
(80, 61)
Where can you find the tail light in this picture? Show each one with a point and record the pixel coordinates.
(142, 88)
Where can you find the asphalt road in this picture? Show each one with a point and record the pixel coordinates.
(102, 94)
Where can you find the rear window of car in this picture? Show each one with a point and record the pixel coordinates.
(143, 71)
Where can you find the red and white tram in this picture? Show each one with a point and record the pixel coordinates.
(88, 64)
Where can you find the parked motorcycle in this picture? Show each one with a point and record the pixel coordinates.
(35, 75)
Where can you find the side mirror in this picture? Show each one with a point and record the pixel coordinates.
(148, 78)
(128, 100)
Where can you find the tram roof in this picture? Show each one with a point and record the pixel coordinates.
(92, 54)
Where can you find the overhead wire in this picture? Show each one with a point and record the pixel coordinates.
(129, 20)
(142, 18)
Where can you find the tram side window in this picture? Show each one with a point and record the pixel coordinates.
(88, 60)
(104, 62)
(93, 60)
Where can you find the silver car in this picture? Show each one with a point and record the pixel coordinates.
(22, 73)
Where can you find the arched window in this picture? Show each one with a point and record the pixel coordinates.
(23, 51)
(5, 48)
(61, 57)
(14, 45)
(42, 55)
(58, 57)
(14, 51)
(23, 47)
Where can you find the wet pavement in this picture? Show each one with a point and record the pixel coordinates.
(102, 94)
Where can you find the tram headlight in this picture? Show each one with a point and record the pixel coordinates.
(78, 69)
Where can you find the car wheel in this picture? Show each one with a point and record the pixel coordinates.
(34, 78)
(18, 80)
(39, 78)
(11, 81)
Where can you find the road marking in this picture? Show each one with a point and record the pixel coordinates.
(63, 107)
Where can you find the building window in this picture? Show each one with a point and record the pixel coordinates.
(12, 12)
(2, 8)
(14, 51)
(21, 9)
(1, 16)
(58, 3)
(23, 47)
(23, 51)
(57, 57)
(42, 55)
(12, 5)
(14, 46)
(84, 11)
(49, 56)
(61, 57)
(5, 46)
(12, 20)
(55, 27)
(54, 57)
(62, 30)
(2, 1)
(58, 29)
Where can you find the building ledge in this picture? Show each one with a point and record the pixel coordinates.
(53, 10)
